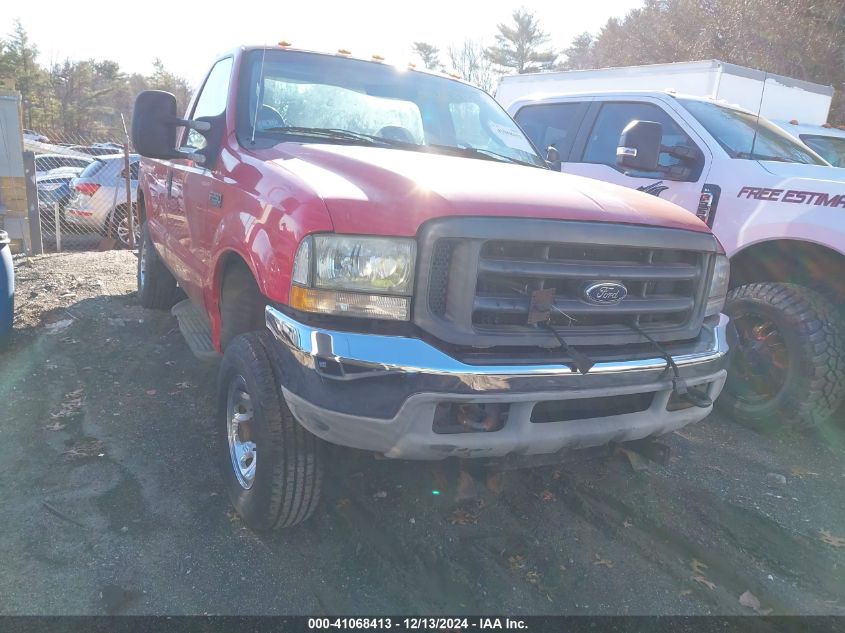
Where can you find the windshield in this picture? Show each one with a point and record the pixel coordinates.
(293, 96)
(831, 148)
(743, 135)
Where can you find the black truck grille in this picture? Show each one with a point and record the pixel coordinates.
(661, 284)
(476, 276)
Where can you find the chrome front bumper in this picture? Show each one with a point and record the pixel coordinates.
(379, 393)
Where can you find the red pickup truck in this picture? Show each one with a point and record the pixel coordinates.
(385, 262)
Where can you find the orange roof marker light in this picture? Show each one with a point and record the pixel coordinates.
(411, 65)
(343, 51)
(284, 43)
(377, 57)
(794, 122)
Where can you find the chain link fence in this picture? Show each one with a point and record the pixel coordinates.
(81, 190)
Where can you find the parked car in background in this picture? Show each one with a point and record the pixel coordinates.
(98, 201)
(96, 150)
(49, 163)
(55, 187)
(31, 135)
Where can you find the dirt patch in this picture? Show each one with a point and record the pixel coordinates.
(107, 424)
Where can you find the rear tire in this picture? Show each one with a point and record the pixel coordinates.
(788, 365)
(270, 464)
(157, 287)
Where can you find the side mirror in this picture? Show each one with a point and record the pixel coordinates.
(154, 123)
(639, 146)
(553, 158)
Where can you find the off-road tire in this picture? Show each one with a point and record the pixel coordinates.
(241, 304)
(288, 470)
(814, 337)
(157, 288)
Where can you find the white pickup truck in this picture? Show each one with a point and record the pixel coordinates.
(777, 207)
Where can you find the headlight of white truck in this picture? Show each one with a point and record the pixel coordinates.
(354, 276)
(718, 286)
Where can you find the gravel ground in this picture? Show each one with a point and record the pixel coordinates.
(112, 502)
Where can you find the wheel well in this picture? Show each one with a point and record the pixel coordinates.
(249, 314)
(791, 261)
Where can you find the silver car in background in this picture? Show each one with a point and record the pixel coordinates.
(98, 202)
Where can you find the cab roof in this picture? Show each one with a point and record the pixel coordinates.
(343, 53)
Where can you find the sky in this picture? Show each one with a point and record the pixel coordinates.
(188, 35)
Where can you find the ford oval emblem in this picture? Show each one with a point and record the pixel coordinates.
(605, 293)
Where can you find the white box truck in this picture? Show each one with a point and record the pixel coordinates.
(799, 107)
(776, 206)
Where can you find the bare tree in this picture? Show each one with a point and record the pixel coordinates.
(429, 54)
(470, 60)
(518, 45)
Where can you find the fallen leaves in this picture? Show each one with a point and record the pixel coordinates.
(830, 539)
(88, 447)
(800, 472)
(627, 523)
(71, 404)
(463, 517)
(638, 462)
(749, 600)
(603, 562)
(548, 495)
(533, 577)
(517, 561)
(698, 574)
(703, 581)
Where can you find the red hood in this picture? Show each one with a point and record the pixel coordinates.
(393, 192)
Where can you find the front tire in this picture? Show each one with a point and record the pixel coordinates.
(157, 287)
(271, 465)
(788, 365)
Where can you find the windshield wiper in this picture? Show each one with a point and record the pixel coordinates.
(485, 154)
(340, 135)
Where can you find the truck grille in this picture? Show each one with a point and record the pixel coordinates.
(661, 284)
(476, 277)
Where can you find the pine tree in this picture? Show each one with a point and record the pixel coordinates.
(518, 46)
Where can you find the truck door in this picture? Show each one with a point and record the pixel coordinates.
(684, 163)
(191, 188)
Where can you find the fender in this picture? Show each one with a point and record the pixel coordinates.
(267, 243)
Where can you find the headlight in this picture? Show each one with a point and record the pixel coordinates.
(354, 276)
(718, 286)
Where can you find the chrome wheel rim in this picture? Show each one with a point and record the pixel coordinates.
(242, 449)
(123, 230)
